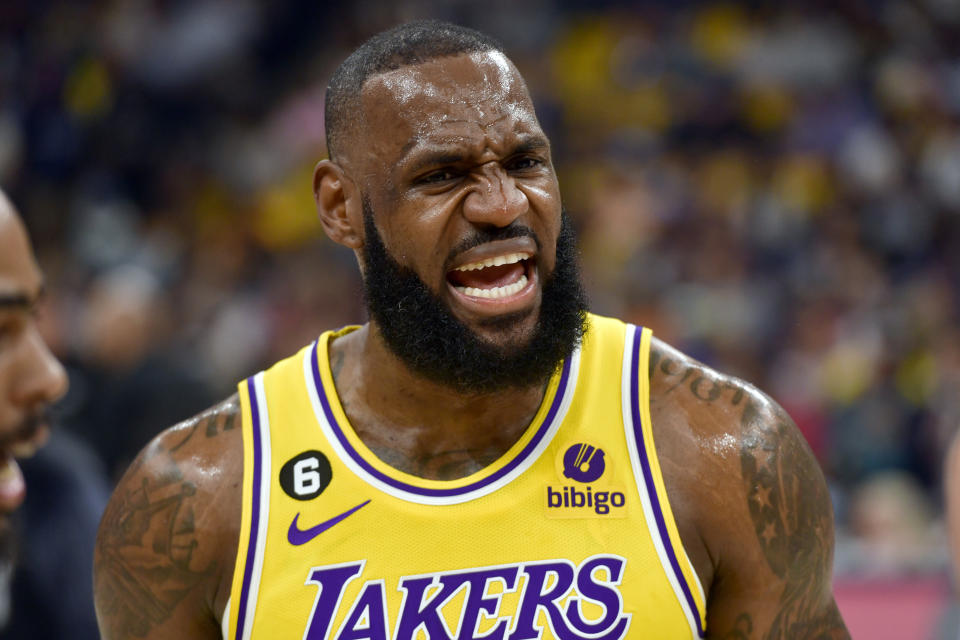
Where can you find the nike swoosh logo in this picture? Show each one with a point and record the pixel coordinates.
(297, 536)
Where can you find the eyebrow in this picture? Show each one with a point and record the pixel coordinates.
(435, 159)
(446, 157)
(533, 143)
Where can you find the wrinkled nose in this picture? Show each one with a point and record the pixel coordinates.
(495, 198)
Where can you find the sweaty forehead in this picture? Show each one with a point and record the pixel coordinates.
(445, 99)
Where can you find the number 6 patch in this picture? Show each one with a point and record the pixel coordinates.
(305, 475)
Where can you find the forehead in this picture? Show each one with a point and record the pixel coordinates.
(468, 99)
(19, 274)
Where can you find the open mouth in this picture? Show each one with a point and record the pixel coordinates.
(496, 278)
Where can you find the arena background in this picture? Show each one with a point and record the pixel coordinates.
(774, 188)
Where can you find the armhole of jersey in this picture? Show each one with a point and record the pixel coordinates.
(237, 623)
(635, 401)
(225, 621)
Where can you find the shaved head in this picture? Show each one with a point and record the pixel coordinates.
(407, 44)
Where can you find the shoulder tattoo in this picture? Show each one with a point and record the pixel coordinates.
(790, 509)
(786, 496)
(145, 562)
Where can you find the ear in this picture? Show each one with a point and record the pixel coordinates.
(338, 204)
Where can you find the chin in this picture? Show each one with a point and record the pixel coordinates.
(511, 330)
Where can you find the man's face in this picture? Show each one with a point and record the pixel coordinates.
(30, 377)
(449, 151)
(420, 329)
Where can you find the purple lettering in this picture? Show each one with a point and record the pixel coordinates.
(577, 498)
(368, 617)
(533, 598)
(331, 581)
(554, 498)
(604, 592)
(600, 503)
(477, 600)
(415, 613)
(553, 596)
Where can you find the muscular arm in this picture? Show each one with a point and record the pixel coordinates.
(164, 556)
(754, 511)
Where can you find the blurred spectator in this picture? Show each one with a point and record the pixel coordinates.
(126, 382)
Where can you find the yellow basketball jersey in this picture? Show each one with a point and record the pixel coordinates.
(568, 536)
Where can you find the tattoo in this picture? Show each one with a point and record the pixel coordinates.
(787, 498)
(212, 422)
(144, 564)
(742, 628)
(790, 509)
(704, 387)
(443, 465)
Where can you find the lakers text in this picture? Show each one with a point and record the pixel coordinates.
(522, 601)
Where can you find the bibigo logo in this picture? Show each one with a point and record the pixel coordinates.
(584, 464)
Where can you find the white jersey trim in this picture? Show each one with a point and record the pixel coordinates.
(253, 588)
(634, 333)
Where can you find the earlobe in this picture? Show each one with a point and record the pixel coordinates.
(336, 197)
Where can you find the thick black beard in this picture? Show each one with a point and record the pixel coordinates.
(419, 328)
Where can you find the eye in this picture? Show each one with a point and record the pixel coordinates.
(524, 163)
(438, 176)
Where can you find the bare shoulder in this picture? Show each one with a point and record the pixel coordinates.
(164, 556)
(750, 501)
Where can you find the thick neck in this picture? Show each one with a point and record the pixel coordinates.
(419, 426)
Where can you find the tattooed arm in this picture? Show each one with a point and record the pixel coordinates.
(751, 503)
(164, 556)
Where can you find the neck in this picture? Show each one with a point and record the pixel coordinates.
(419, 426)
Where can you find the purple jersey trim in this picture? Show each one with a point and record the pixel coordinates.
(648, 476)
(409, 488)
(255, 512)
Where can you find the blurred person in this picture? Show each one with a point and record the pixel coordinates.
(52, 587)
(894, 528)
(31, 379)
(125, 370)
(483, 458)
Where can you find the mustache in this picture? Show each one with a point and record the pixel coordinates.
(26, 430)
(485, 235)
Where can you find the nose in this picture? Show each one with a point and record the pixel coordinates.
(42, 378)
(495, 198)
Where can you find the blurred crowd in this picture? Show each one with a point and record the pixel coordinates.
(772, 187)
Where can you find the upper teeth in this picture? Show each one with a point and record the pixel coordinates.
(496, 261)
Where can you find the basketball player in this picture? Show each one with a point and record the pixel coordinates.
(31, 378)
(482, 459)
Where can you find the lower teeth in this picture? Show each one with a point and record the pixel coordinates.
(496, 292)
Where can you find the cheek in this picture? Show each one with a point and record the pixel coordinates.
(419, 233)
(545, 193)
